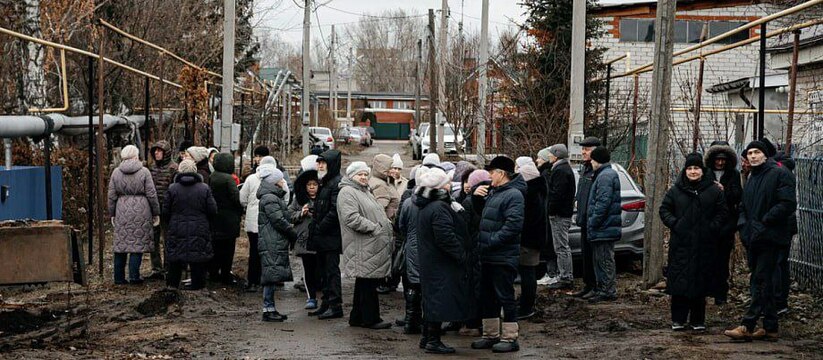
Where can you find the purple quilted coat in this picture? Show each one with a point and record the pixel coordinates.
(132, 203)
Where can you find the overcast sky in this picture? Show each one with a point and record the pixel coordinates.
(286, 17)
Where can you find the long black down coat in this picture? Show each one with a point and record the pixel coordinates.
(188, 207)
(695, 212)
(732, 189)
(276, 232)
(443, 245)
(325, 229)
(535, 218)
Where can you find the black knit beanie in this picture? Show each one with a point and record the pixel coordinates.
(261, 151)
(601, 155)
(757, 145)
(694, 159)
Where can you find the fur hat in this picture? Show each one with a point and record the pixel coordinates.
(601, 155)
(434, 178)
(559, 151)
(129, 152)
(198, 153)
(356, 168)
(186, 166)
(590, 141)
(504, 163)
(261, 150)
(397, 162)
(479, 176)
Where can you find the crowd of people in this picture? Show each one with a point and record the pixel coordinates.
(458, 237)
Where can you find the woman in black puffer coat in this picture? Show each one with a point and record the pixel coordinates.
(188, 207)
(695, 211)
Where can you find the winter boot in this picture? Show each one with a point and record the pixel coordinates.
(433, 344)
(412, 320)
(491, 334)
(739, 333)
(508, 339)
(424, 338)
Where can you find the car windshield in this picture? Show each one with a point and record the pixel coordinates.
(321, 131)
(354, 131)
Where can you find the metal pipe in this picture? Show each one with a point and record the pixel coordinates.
(748, 111)
(101, 155)
(83, 52)
(47, 167)
(7, 151)
(761, 95)
(634, 118)
(792, 92)
(147, 126)
(64, 88)
(90, 168)
(608, 95)
(242, 126)
(698, 98)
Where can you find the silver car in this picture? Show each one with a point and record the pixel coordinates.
(633, 202)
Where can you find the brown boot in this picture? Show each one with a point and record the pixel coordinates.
(762, 334)
(739, 333)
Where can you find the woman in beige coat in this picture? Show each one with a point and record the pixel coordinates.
(367, 244)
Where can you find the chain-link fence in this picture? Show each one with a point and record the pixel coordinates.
(807, 251)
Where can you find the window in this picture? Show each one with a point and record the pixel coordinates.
(402, 105)
(685, 32)
(375, 104)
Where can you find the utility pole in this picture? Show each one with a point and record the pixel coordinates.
(227, 104)
(348, 89)
(578, 79)
(304, 99)
(417, 83)
(657, 161)
(482, 87)
(433, 100)
(332, 79)
(441, 75)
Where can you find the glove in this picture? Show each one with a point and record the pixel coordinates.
(155, 221)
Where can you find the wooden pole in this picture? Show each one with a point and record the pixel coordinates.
(433, 98)
(792, 92)
(635, 101)
(101, 159)
(657, 159)
(761, 94)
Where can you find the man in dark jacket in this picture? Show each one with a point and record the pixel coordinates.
(561, 207)
(499, 239)
(768, 202)
(584, 186)
(325, 236)
(603, 223)
(226, 225)
(721, 164)
(162, 173)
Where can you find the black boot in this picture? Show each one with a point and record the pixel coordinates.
(434, 345)
(424, 339)
(335, 312)
(323, 308)
(412, 321)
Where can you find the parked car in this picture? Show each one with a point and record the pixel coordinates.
(633, 202)
(450, 140)
(414, 140)
(324, 134)
(365, 136)
(341, 135)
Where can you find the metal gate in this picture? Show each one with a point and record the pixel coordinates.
(807, 250)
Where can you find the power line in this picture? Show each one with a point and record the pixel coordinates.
(376, 16)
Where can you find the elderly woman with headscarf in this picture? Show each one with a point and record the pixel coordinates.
(396, 173)
(200, 156)
(444, 247)
(134, 211)
(367, 244)
(189, 205)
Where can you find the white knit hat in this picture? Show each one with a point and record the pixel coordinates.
(269, 173)
(434, 178)
(187, 166)
(198, 153)
(523, 160)
(309, 163)
(356, 168)
(268, 160)
(431, 159)
(397, 162)
(129, 152)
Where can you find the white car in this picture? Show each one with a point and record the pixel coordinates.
(324, 134)
(450, 140)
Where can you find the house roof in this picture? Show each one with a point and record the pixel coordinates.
(365, 95)
(816, 40)
(646, 7)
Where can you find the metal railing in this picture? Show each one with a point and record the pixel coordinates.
(807, 249)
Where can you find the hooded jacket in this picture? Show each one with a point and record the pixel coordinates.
(248, 198)
(302, 223)
(325, 229)
(276, 232)
(366, 232)
(444, 245)
(604, 222)
(163, 171)
(769, 200)
(132, 202)
(695, 212)
(732, 189)
(224, 190)
(501, 222)
(561, 189)
(382, 186)
(188, 207)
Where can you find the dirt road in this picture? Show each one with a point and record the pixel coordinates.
(147, 322)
